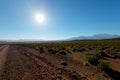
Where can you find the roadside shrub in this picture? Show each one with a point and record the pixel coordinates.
(103, 64)
(91, 58)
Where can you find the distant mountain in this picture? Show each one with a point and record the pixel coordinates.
(97, 36)
(22, 41)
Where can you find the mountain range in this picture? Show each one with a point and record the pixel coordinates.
(94, 37)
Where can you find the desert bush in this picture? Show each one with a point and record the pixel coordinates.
(103, 64)
(82, 49)
(41, 49)
(116, 55)
(91, 58)
(102, 53)
(98, 56)
(75, 49)
(78, 49)
(50, 50)
(108, 51)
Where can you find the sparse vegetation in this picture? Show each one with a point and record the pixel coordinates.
(103, 64)
(98, 53)
(91, 58)
(78, 49)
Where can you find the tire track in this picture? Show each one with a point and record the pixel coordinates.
(3, 54)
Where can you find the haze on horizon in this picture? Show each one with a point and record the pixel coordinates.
(57, 19)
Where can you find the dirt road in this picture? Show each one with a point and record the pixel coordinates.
(3, 54)
(20, 63)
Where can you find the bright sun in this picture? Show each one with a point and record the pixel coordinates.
(40, 18)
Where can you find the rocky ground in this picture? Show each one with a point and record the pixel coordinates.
(23, 63)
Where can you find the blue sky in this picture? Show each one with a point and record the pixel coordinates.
(63, 18)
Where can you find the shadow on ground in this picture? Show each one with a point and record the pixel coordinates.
(113, 74)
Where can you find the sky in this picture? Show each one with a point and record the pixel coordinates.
(63, 18)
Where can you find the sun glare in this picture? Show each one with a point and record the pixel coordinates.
(40, 18)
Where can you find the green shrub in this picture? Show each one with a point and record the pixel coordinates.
(78, 49)
(103, 64)
(98, 56)
(91, 58)
(50, 50)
